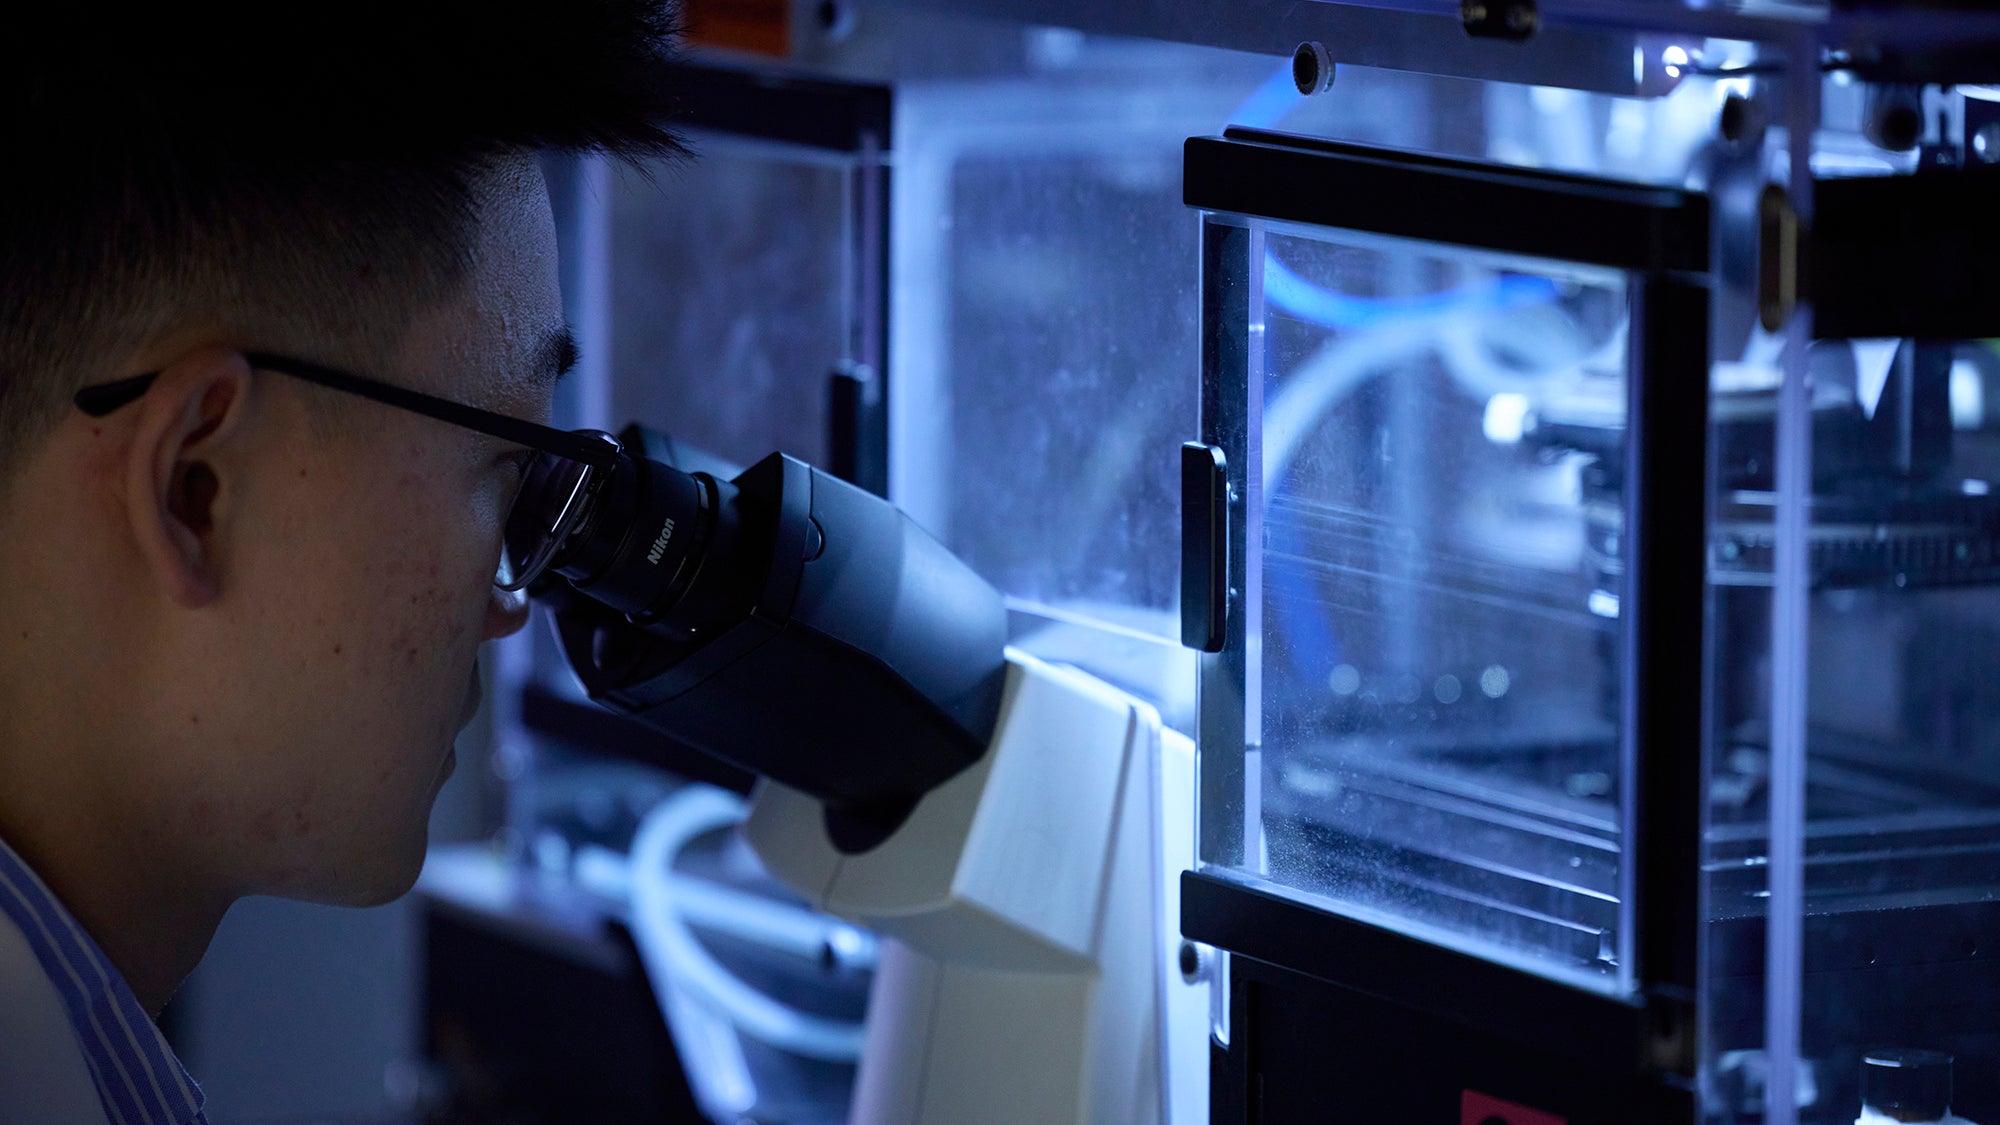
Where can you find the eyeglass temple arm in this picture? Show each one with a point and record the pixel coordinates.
(104, 398)
(100, 400)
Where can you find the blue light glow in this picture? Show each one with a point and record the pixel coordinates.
(1290, 293)
(1269, 103)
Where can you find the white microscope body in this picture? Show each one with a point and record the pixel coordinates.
(1030, 909)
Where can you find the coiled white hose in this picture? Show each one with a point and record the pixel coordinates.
(674, 957)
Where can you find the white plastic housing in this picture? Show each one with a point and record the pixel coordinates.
(1032, 910)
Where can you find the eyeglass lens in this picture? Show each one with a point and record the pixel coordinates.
(544, 511)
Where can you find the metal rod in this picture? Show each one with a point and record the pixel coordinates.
(1789, 636)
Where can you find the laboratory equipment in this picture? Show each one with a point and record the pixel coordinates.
(806, 630)
(675, 367)
(1029, 888)
(1579, 511)
(1590, 531)
(750, 284)
(1452, 655)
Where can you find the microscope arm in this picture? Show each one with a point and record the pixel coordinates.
(1030, 911)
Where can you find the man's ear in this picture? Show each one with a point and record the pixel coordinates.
(173, 484)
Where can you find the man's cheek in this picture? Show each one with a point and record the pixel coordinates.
(426, 609)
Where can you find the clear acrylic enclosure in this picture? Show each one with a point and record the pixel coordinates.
(728, 303)
(1045, 318)
(1435, 564)
(1041, 382)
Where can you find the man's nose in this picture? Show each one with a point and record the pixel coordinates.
(506, 612)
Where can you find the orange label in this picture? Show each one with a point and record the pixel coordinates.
(1475, 1108)
(762, 26)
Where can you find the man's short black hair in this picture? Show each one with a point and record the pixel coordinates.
(299, 175)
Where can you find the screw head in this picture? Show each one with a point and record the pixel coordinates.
(835, 18)
(1986, 143)
(1312, 68)
(1500, 19)
(1194, 962)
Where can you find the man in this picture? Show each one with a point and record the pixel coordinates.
(242, 607)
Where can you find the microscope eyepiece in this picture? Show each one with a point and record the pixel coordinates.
(644, 545)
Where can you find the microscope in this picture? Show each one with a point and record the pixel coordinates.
(1014, 830)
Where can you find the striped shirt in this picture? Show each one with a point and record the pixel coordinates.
(138, 1078)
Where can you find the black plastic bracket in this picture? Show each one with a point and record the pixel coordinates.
(1477, 204)
(857, 421)
(1204, 546)
(1500, 19)
(1905, 256)
(816, 113)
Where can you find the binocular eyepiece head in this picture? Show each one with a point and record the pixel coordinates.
(783, 620)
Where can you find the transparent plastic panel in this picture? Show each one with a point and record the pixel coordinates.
(1437, 553)
(1082, 374)
(729, 301)
(1045, 319)
(1901, 847)
(1854, 800)
(1044, 325)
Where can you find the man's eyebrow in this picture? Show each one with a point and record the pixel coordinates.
(554, 356)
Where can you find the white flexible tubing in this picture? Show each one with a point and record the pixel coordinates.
(1479, 376)
(674, 957)
(1330, 375)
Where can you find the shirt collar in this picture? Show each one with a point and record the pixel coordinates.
(139, 1079)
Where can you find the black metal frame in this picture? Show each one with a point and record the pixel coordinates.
(1667, 485)
(1660, 236)
(1268, 924)
(1310, 1051)
(1267, 175)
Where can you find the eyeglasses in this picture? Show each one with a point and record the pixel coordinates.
(567, 470)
